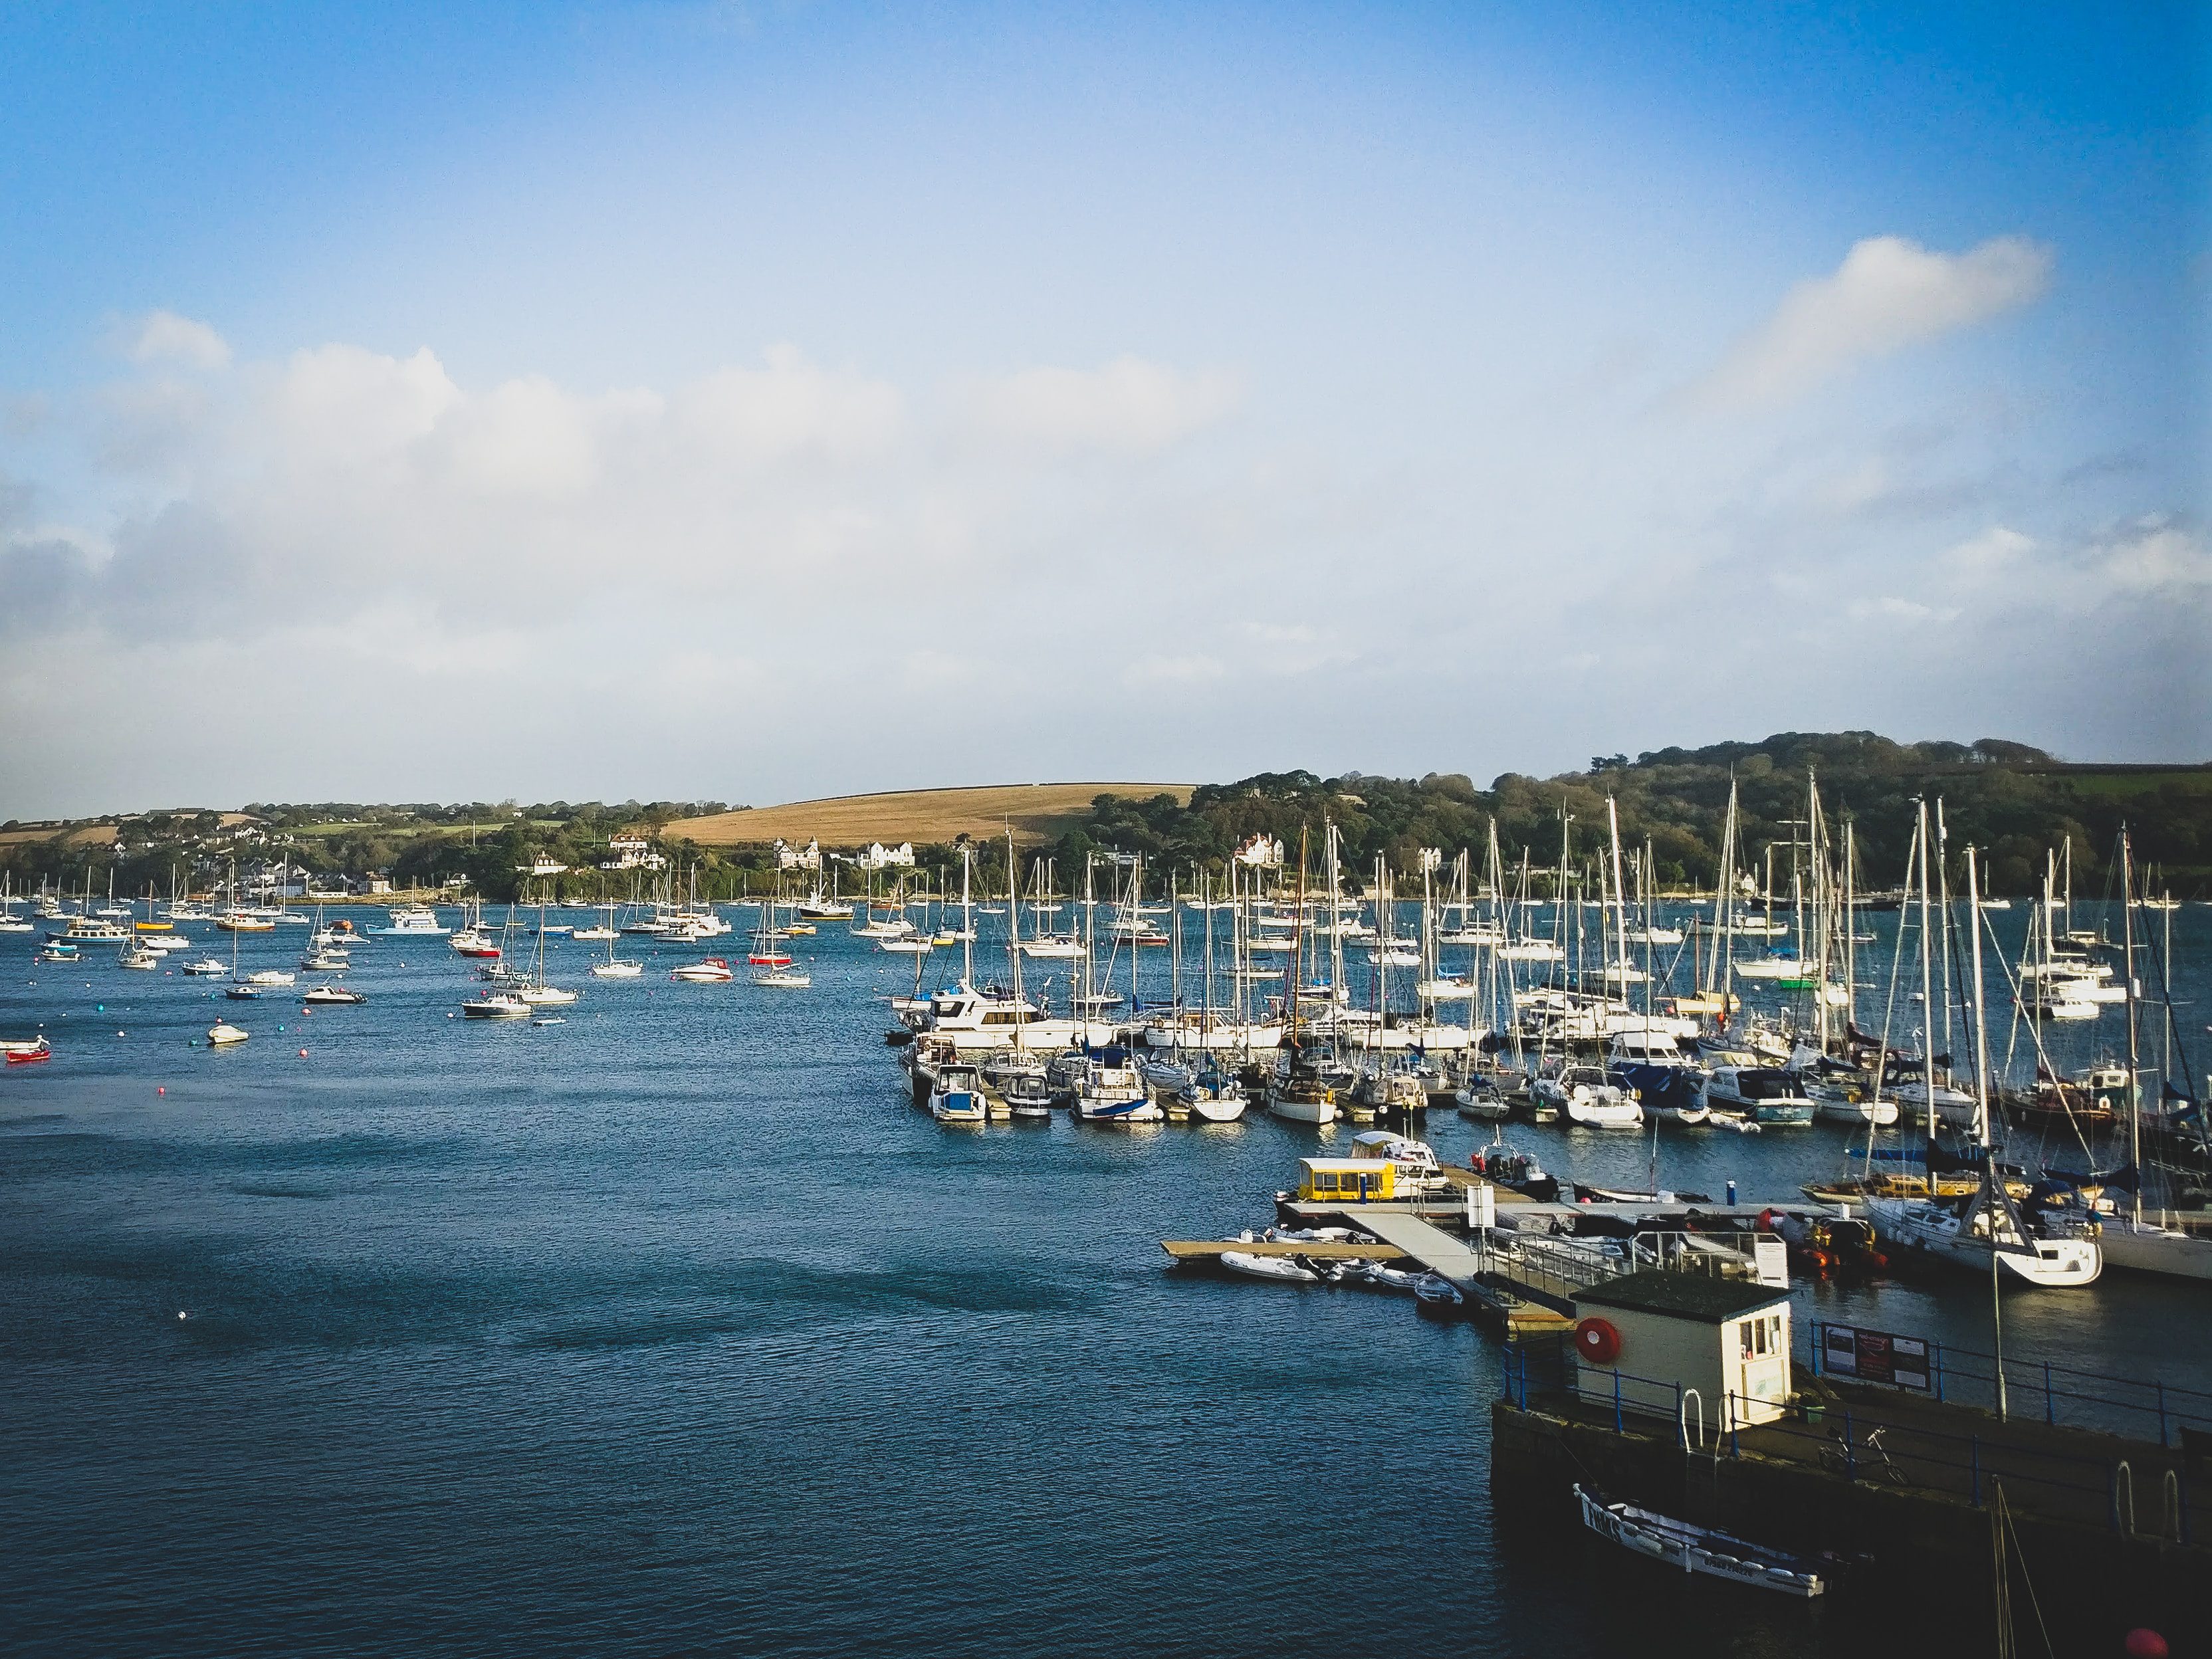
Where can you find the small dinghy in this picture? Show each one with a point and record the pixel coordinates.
(26, 1051)
(1439, 1298)
(1283, 1269)
(1375, 1276)
(1699, 1549)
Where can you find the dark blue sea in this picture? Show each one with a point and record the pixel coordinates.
(674, 1328)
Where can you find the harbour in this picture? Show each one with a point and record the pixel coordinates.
(967, 1237)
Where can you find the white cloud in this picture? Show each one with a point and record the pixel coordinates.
(1128, 406)
(1987, 557)
(1888, 293)
(164, 336)
(2154, 557)
(1906, 612)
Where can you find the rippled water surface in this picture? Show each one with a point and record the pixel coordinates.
(673, 1328)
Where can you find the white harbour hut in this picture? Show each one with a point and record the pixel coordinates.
(1673, 1335)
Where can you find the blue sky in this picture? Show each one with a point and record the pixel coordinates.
(763, 401)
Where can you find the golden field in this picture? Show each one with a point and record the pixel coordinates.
(1036, 811)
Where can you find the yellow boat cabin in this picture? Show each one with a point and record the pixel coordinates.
(1341, 1180)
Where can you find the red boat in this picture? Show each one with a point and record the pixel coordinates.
(28, 1054)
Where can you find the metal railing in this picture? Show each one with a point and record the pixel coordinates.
(2049, 1475)
(2057, 1395)
(1561, 1264)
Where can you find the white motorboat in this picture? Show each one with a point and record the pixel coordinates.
(546, 996)
(1113, 1092)
(1697, 1549)
(243, 921)
(782, 979)
(412, 921)
(618, 967)
(271, 976)
(327, 995)
(1968, 1231)
(93, 930)
(1213, 1097)
(713, 970)
(976, 1022)
(1834, 1105)
(136, 955)
(1052, 947)
(956, 1095)
(1283, 1269)
(223, 1033)
(207, 968)
(1585, 1096)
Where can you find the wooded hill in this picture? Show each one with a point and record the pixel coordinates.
(2011, 801)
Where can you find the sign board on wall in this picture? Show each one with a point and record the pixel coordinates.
(1896, 1362)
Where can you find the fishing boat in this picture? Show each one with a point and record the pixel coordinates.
(206, 967)
(1698, 1549)
(712, 970)
(25, 1051)
(1283, 1269)
(330, 995)
(222, 1035)
(473, 941)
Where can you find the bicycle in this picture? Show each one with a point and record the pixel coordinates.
(1865, 1459)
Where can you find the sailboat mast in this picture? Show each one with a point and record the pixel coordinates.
(2128, 966)
(1926, 983)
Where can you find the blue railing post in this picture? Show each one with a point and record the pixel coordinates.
(1734, 1449)
(1850, 1451)
(1818, 1343)
(1616, 1400)
(1975, 1450)
(2161, 1416)
(2050, 1412)
(1936, 1355)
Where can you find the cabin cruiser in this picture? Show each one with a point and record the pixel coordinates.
(1583, 1096)
(1650, 1064)
(496, 1004)
(955, 1094)
(973, 1021)
(1112, 1091)
(91, 930)
(712, 970)
(330, 995)
(1763, 1095)
(412, 921)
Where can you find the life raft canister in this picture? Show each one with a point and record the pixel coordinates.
(1597, 1341)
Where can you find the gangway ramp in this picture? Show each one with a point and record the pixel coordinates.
(1463, 1268)
(1433, 1248)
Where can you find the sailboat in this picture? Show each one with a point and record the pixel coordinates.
(1983, 1231)
(772, 965)
(614, 966)
(538, 994)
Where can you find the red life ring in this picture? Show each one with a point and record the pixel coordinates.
(1597, 1342)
